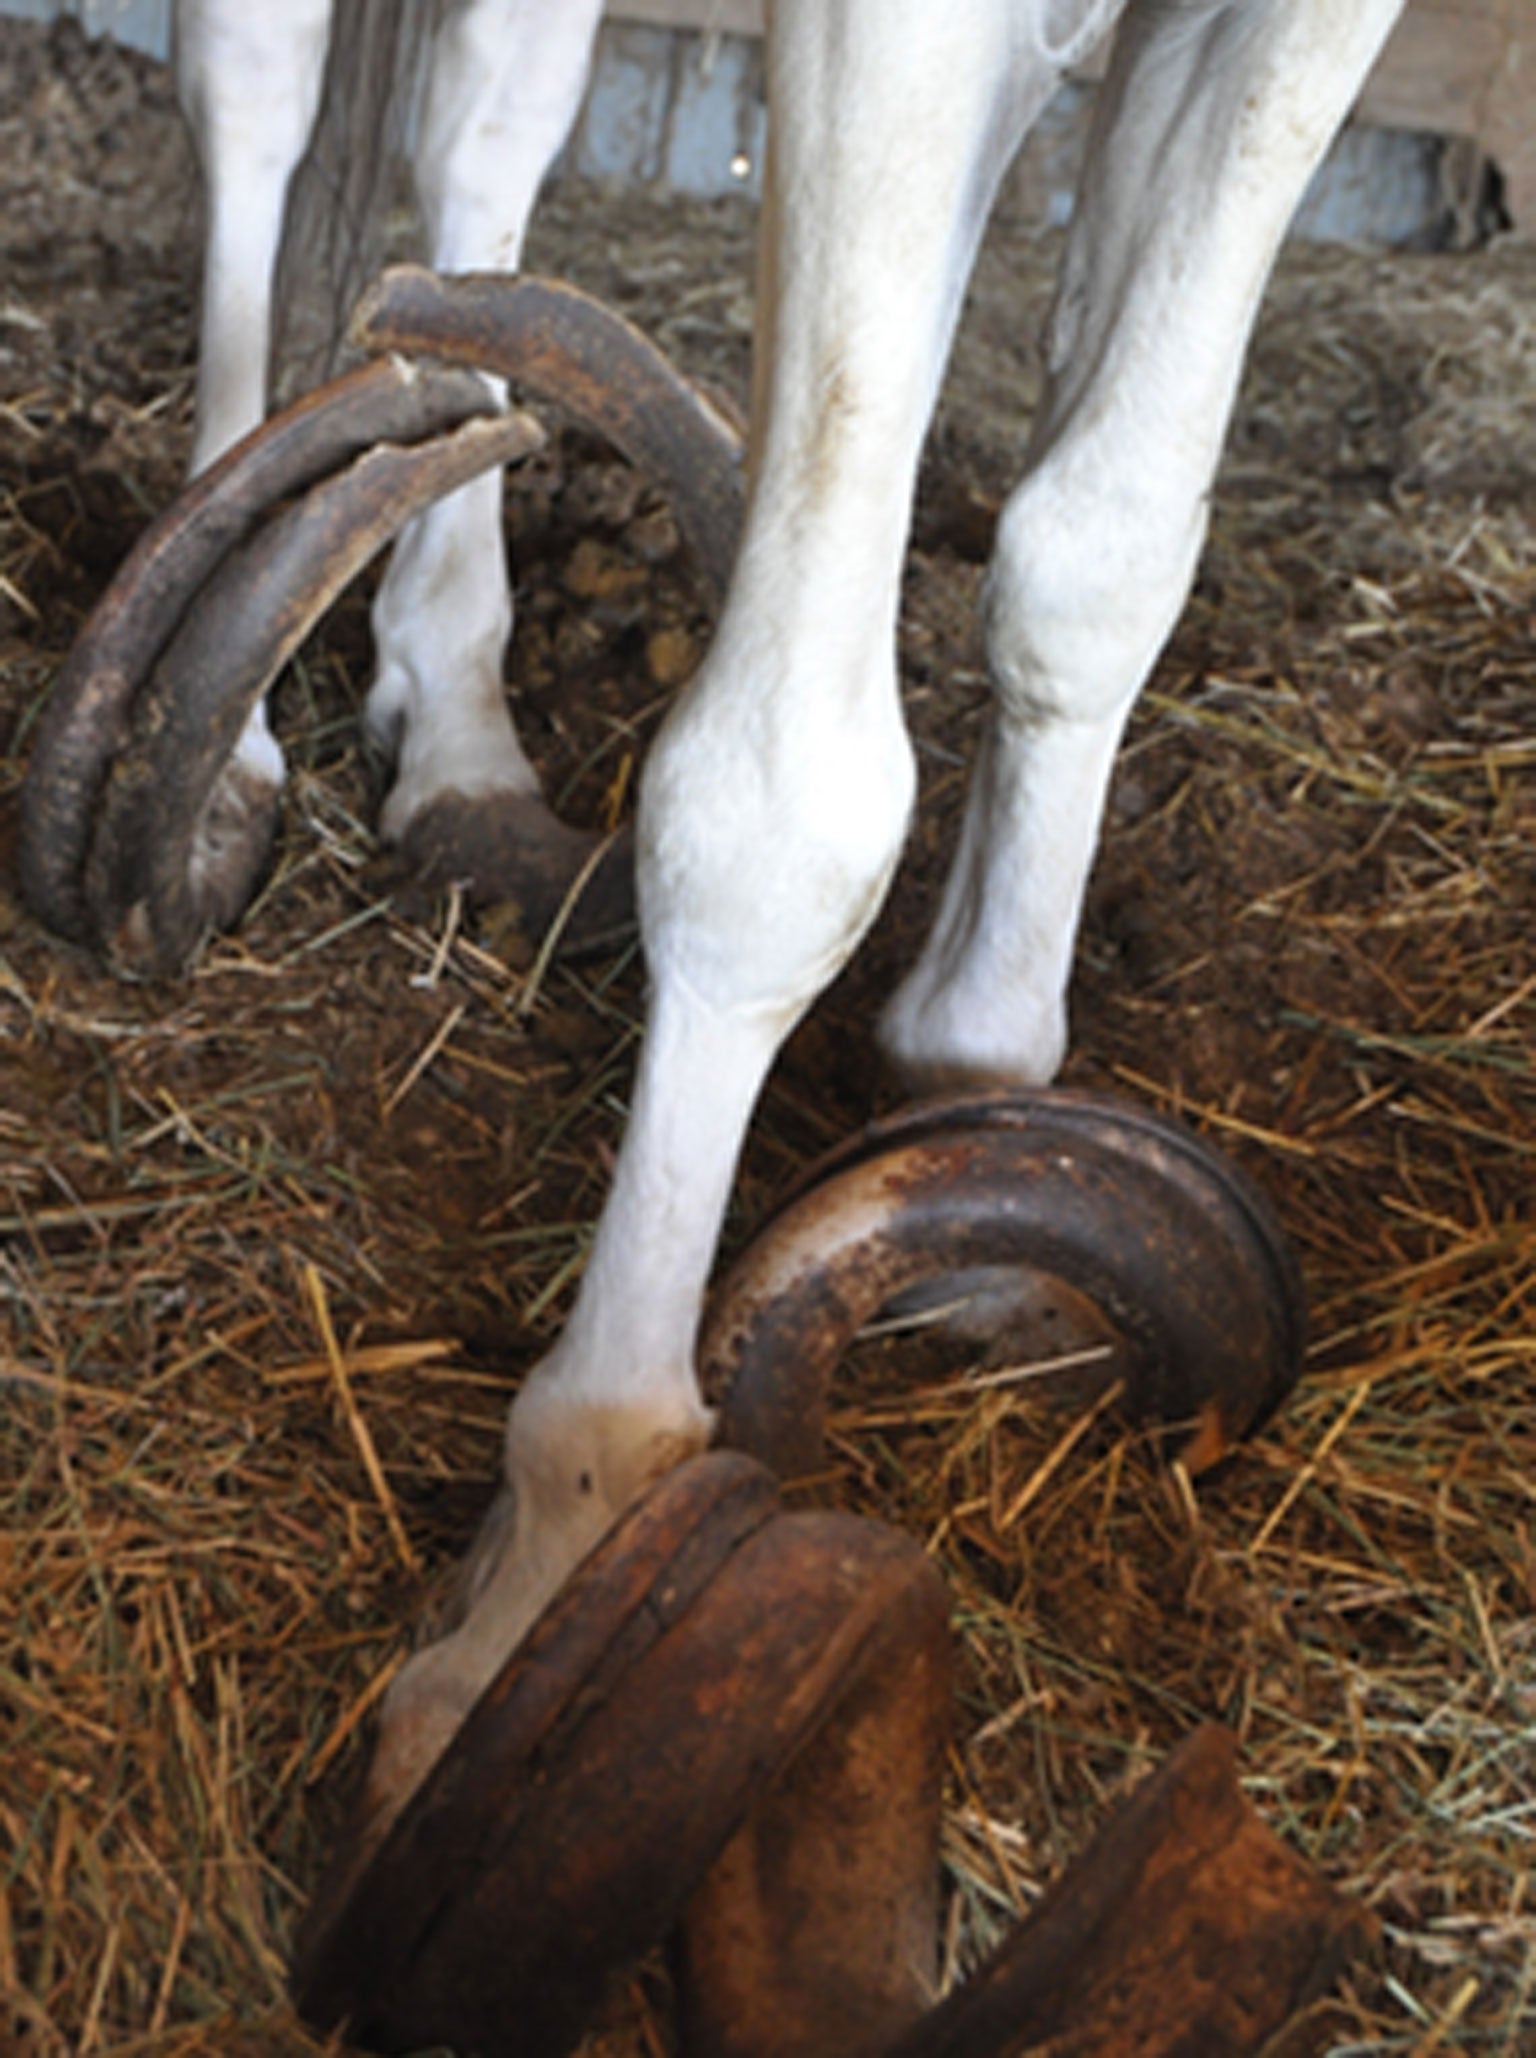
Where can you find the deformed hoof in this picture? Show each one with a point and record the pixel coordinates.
(730, 1725)
(134, 832)
(1130, 1221)
(134, 836)
(105, 704)
(720, 1690)
(556, 883)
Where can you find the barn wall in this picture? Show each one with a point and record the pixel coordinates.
(681, 108)
(142, 24)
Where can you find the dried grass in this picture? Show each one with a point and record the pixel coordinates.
(275, 1243)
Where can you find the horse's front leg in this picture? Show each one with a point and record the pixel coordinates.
(775, 801)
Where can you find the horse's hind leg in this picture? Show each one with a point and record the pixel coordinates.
(505, 83)
(1209, 125)
(249, 81)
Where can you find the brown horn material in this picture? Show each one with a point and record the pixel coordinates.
(713, 1664)
(557, 344)
(1166, 1240)
(243, 626)
(729, 1726)
(87, 719)
(1187, 1929)
(732, 1720)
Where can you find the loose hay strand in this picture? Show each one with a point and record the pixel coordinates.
(362, 1436)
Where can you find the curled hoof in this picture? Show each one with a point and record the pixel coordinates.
(509, 848)
(125, 840)
(134, 832)
(1126, 1227)
(731, 1728)
(720, 1690)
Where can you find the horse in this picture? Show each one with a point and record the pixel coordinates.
(775, 800)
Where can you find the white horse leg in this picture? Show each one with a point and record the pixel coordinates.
(506, 80)
(1211, 121)
(774, 803)
(249, 81)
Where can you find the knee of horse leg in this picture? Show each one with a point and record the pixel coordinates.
(767, 835)
(1091, 566)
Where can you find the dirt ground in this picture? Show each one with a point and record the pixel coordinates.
(1309, 933)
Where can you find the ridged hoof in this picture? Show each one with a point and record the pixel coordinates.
(135, 835)
(1125, 1215)
(140, 830)
(720, 1690)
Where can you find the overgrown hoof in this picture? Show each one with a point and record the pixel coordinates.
(557, 885)
(127, 839)
(1129, 1241)
(140, 831)
(722, 1690)
(729, 1728)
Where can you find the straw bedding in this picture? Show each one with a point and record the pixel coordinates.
(277, 1242)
